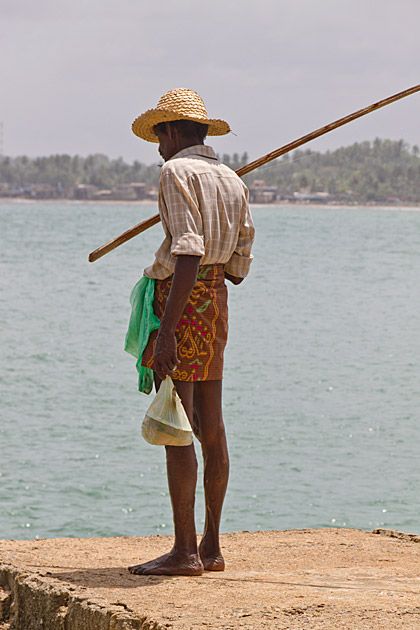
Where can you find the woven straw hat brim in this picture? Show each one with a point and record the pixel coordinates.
(143, 125)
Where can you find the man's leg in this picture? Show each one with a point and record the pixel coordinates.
(181, 463)
(211, 430)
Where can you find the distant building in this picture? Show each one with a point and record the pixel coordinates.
(103, 195)
(139, 189)
(316, 197)
(259, 192)
(152, 194)
(134, 191)
(84, 191)
(124, 192)
(42, 191)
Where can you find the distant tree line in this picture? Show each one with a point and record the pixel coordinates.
(69, 171)
(97, 170)
(365, 171)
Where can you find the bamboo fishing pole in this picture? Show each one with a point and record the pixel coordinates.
(146, 224)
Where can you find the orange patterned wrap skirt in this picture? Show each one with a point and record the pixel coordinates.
(201, 333)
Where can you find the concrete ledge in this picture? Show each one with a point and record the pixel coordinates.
(31, 602)
(326, 578)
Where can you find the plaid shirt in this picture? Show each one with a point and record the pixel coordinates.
(204, 209)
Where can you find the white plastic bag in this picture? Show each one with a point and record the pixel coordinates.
(166, 422)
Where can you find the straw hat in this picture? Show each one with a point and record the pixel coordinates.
(177, 104)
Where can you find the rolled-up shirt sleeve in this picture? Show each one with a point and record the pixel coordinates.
(241, 259)
(182, 215)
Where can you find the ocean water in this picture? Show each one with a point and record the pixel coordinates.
(321, 388)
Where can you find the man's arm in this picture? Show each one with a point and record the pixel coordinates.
(238, 266)
(185, 276)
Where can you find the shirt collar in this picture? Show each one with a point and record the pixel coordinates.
(197, 149)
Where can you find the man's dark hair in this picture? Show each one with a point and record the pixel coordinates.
(188, 128)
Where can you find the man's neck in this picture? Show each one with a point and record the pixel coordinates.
(184, 144)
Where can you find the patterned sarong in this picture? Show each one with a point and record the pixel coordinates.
(201, 333)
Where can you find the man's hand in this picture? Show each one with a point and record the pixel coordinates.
(233, 279)
(165, 354)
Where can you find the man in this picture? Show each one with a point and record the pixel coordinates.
(208, 237)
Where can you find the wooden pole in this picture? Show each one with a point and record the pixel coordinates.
(144, 225)
(124, 237)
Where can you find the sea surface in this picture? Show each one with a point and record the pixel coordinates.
(321, 388)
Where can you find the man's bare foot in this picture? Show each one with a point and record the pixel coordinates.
(211, 558)
(172, 563)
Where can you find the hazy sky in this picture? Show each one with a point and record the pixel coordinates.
(74, 73)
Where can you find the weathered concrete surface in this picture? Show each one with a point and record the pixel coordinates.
(327, 578)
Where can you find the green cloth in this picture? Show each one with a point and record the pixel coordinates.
(143, 321)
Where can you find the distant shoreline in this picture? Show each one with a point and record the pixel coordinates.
(146, 202)
(338, 206)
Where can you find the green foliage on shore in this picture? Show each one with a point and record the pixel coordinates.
(366, 171)
(69, 171)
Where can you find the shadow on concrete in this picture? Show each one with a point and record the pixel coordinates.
(108, 577)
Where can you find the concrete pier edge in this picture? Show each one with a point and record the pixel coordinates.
(34, 599)
(28, 600)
